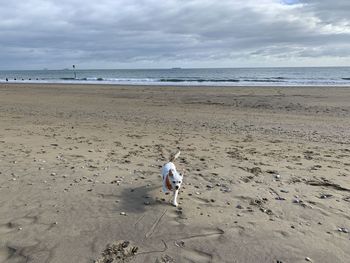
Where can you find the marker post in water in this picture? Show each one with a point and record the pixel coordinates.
(75, 74)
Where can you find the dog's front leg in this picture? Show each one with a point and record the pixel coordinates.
(176, 192)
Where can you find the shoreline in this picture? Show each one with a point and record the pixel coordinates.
(267, 172)
(187, 85)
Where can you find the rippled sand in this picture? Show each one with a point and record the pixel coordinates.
(267, 173)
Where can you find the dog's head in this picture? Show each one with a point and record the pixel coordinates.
(175, 179)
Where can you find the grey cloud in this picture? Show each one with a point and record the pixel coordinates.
(330, 11)
(37, 33)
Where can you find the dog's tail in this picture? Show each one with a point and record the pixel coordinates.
(173, 156)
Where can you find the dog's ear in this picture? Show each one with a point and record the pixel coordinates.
(170, 173)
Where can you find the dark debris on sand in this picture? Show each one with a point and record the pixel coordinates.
(117, 252)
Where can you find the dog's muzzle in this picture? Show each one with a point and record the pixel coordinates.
(177, 187)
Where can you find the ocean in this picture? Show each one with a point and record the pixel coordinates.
(295, 76)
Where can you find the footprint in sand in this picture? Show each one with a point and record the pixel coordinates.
(188, 256)
(8, 253)
(7, 228)
(193, 254)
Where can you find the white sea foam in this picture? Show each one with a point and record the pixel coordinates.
(188, 77)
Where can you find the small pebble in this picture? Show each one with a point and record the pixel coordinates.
(180, 243)
(297, 201)
(343, 229)
(325, 196)
(280, 198)
(308, 259)
(123, 213)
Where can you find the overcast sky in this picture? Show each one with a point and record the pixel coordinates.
(54, 34)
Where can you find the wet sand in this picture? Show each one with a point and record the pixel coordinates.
(267, 173)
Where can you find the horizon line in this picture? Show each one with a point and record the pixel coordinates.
(172, 68)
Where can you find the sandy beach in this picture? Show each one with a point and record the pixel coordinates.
(267, 174)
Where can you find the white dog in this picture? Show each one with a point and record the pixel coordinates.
(171, 178)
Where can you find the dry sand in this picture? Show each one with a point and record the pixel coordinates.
(268, 174)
